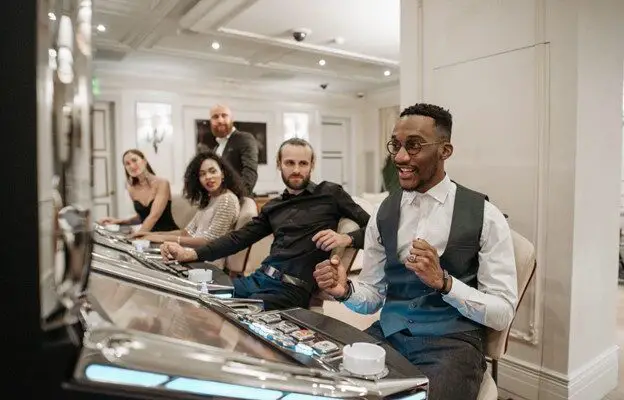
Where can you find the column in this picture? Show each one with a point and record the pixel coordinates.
(535, 89)
(411, 49)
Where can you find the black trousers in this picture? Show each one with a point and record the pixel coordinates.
(276, 294)
(454, 364)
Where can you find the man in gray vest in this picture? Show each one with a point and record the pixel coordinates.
(438, 257)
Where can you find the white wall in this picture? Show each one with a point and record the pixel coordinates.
(622, 174)
(191, 101)
(372, 148)
(535, 88)
(598, 163)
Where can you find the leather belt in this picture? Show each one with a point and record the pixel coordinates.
(275, 273)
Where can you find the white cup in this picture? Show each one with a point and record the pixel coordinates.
(364, 359)
(200, 275)
(140, 244)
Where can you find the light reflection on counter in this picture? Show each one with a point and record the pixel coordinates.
(298, 396)
(222, 389)
(123, 376)
(417, 396)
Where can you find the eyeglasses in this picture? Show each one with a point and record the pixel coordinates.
(412, 147)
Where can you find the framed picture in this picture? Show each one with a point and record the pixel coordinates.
(259, 131)
(204, 139)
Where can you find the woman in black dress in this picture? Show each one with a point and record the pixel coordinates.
(150, 195)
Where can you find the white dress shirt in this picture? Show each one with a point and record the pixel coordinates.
(428, 216)
(222, 143)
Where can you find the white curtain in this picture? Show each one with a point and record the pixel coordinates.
(388, 116)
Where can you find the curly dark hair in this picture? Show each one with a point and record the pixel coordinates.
(134, 180)
(195, 192)
(442, 118)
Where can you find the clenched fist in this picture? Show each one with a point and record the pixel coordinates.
(425, 263)
(331, 277)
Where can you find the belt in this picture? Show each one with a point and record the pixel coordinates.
(275, 273)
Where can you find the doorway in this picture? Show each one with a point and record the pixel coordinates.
(335, 154)
(103, 161)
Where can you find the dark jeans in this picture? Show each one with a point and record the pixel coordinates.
(453, 363)
(275, 294)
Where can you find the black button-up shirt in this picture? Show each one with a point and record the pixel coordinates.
(294, 220)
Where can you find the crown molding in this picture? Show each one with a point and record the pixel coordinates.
(308, 47)
(112, 81)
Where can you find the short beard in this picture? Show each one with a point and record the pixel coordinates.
(229, 129)
(304, 183)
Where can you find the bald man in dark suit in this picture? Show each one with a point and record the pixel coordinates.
(239, 149)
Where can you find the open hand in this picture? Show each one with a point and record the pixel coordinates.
(139, 234)
(423, 260)
(108, 221)
(155, 238)
(328, 239)
(331, 277)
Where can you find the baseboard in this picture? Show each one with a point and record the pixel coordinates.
(596, 378)
(520, 380)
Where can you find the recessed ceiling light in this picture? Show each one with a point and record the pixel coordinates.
(387, 73)
(52, 16)
(216, 45)
(321, 62)
(101, 28)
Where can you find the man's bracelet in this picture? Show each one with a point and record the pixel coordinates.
(346, 295)
(445, 281)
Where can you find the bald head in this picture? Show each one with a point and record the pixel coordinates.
(221, 123)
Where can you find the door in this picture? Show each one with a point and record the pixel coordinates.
(334, 154)
(103, 161)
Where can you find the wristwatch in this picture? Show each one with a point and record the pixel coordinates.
(445, 281)
(350, 234)
(347, 294)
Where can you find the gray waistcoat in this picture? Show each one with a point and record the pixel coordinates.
(412, 305)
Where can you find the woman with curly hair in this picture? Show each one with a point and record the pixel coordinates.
(212, 185)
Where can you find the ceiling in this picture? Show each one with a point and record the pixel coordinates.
(357, 39)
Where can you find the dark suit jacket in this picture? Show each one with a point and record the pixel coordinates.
(241, 152)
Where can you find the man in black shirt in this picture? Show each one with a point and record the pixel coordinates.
(303, 221)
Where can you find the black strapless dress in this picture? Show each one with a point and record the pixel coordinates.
(165, 222)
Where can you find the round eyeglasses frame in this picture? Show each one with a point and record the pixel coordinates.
(412, 149)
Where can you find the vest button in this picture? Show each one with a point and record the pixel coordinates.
(410, 321)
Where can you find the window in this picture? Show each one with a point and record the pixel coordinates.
(153, 123)
(296, 125)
